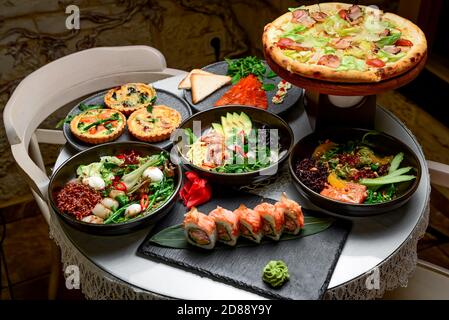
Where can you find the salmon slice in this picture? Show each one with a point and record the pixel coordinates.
(248, 91)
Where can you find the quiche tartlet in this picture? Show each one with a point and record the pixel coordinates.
(130, 97)
(153, 124)
(98, 125)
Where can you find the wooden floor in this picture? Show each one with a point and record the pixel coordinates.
(28, 248)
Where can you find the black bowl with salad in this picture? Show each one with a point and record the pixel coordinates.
(115, 188)
(234, 145)
(354, 172)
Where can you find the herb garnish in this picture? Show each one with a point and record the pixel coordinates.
(241, 68)
(114, 117)
(83, 107)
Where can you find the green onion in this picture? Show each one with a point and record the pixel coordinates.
(116, 214)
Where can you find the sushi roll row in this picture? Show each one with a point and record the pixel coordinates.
(226, 226)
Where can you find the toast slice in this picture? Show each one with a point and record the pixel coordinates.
(185, 83)
(205, 84)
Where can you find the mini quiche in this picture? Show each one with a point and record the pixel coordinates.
(153, 124)
(130, 97)
(98, 125)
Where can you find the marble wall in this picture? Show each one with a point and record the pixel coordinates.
(33, 33)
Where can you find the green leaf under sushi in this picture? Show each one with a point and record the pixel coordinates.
(173, 237)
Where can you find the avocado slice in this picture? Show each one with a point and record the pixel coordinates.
(246, 122)
(218, 127)
(226, 126)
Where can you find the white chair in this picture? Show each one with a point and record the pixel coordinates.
(69, 78)
(59, 83)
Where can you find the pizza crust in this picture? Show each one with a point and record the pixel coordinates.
(410, 31)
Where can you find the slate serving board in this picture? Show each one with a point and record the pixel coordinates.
(292, 97)
(310, 260)
(163, 97)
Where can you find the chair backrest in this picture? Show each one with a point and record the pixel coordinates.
(63, 81)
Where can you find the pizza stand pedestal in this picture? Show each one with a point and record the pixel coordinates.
(331, 104)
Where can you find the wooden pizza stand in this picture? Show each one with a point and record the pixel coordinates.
(331, 104)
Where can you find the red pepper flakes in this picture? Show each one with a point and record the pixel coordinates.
(195, 191)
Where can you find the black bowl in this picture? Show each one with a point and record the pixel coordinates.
(383, 144)
(67, 171)
(259, 118)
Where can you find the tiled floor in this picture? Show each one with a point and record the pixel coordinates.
(28, 248)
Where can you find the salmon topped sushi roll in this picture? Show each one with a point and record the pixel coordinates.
(272, 220)
(228, 225)
(250, 223)
(293, 217)
(200, 229)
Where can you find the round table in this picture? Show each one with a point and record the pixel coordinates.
(384, 246)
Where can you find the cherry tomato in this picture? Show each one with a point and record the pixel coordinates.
(343, 14)
(404, 43)
(375, 63)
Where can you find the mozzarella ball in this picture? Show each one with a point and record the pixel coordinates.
(154, 174)
(95, 183)
(133, 210)
(101, 211)
(115, 193)
(93, 219)
(110, 203)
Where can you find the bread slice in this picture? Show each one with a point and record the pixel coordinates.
(185, 83)
(205, 84)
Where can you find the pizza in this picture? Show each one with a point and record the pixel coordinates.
(130, 97)
(344, 43)
(98, 125)
(154, 124)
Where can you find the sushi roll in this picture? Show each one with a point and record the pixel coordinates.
(272, 220)
(200, 229)
(293, 217)
(228, 224)
(250, 223)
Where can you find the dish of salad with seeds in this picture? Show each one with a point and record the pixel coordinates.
(352, 172)
(118, 188)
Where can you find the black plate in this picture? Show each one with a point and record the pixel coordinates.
(163, 97)
(293, 94)
(310, 260)
(67, 172)
(384, 144)
(258, 117)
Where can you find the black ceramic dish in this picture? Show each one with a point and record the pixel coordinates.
(163, 97)
(383, 144)
(259, 118)
(292, 97)
(67, 170)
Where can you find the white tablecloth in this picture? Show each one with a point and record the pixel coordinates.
(385, 245)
